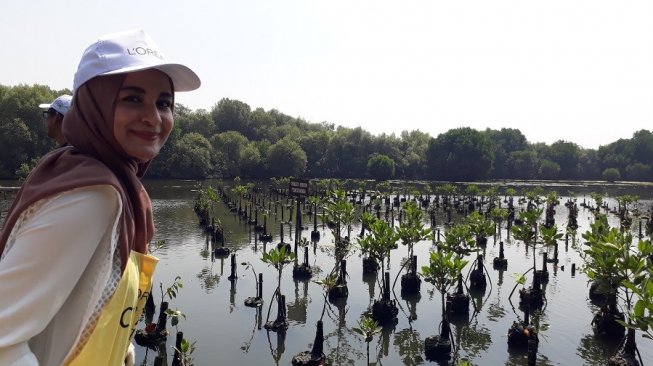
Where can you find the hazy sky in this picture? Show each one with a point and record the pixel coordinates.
(580, 71)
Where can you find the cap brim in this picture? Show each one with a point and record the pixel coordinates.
(183, 78)
(45, 106)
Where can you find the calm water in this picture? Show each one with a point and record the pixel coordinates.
(229, 333)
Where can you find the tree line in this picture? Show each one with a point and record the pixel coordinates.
(233, 140)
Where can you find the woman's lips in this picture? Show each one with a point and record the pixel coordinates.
(145, 135)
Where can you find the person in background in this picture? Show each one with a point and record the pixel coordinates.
(74, 267)
(53, 117)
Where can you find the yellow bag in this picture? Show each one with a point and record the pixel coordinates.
(116, 325)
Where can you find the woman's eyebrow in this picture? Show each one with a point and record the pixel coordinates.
(134, 89)
(165, 95)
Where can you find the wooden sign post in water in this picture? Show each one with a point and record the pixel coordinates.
(298, 188)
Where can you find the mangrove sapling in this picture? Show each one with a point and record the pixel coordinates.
(601, 264)
(549, 237)
(551, 201)
(257, 300)
(623, 210)
(314, 202)
(342, 214)
(316, 356)
(370, 265)
(642, 288)
(185, 350)
(378, 243)
(278, 258)
(459, 240)
(367, 328)
(634, 264)
(481, 228)
(443, 272)
(155, 334)
(302, 271)
(411, 231)
(498, 216)
(527, 232)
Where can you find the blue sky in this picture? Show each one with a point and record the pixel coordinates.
(579, 71)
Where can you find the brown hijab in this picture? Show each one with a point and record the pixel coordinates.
(94, 158)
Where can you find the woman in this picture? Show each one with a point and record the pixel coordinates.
(74, 269)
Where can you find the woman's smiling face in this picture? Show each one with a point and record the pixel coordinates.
(143, 114)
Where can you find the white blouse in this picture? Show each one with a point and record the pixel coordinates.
(58, 269)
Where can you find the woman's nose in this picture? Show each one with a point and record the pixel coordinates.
(151, 115)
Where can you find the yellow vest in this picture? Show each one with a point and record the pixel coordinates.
(116, 325)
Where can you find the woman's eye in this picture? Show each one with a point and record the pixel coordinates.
(132, 99)
(164, 104)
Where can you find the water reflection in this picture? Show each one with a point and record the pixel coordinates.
(410, 346)
(480, 338)
(297, 308)
(208, 280)
(595, 350)
(277, 352)
(339, 343)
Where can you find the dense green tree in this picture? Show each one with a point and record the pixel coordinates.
(522, 164)
(638, 172)
(198, 121)
(504, 142)
(347, 154)
(231, 115)
(251, 164)
(549, 169)
(611, 174)
(589, 165)
(380, 167)
(16, 141)
(315, 144)
(191, 157)
(227, 148)
(286, 159)
(614, 155)
(414, 145)
(641, 147)
(241, 141)
(567, 156)
(461, 154)
(262, 125)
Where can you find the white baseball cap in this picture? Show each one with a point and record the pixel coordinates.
(61, 104)
(130, 51)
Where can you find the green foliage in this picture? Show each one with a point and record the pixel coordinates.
(186, 352)
(443, 270)
(460, 154)
(498, 214)
(613, 263)
(411, 230)
(286, 158)
(527, 231)
(341, 211)
(367, 328)
(172, 291)
(241, 141)
(611, 174)
(380, 167)
(550, 235)
(460, 240)
(278, 258)
(598, 198)
(174, 316)
(479, 226)
(380, 239)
